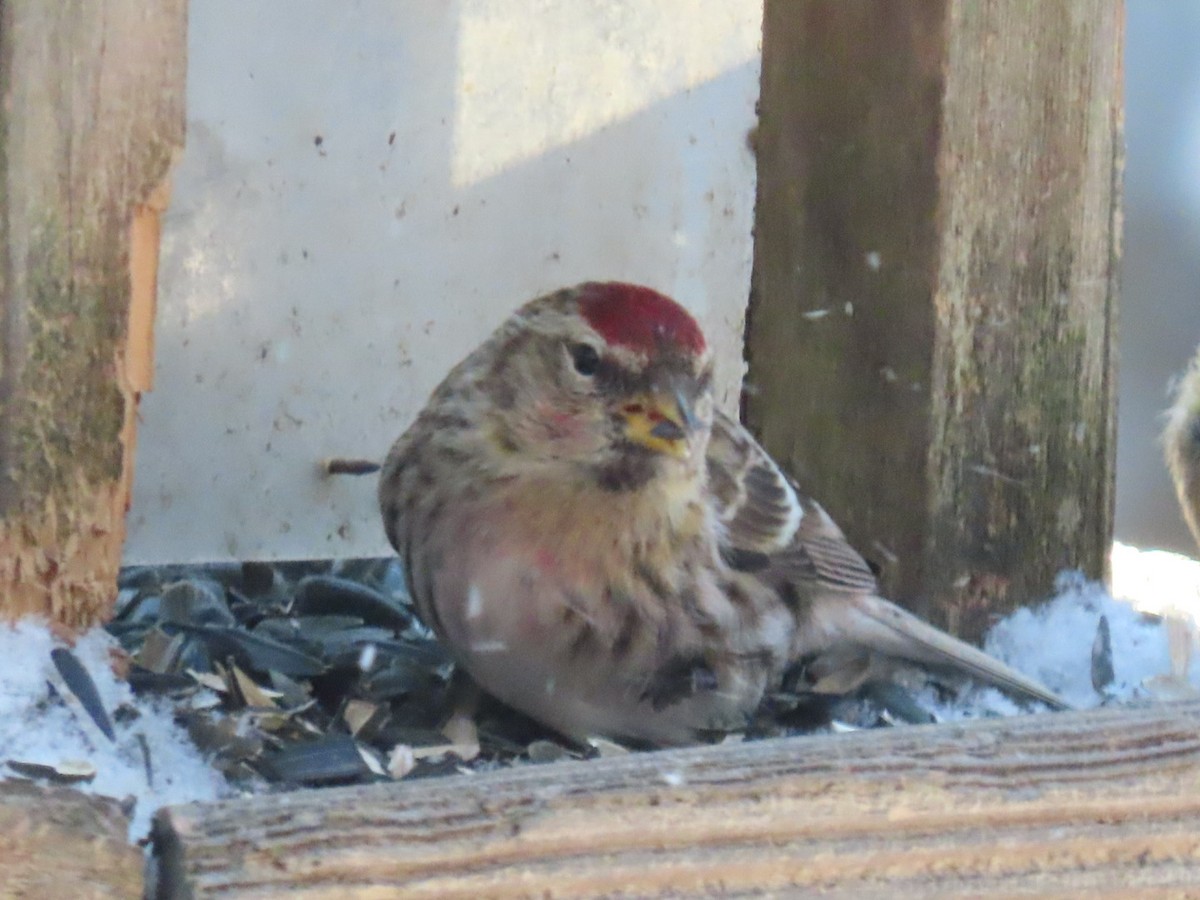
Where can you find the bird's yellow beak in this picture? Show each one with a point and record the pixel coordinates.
(660, 421)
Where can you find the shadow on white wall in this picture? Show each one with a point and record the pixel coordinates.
(366, 193)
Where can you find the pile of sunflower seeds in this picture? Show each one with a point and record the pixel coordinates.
(310, 673)
(315, 673)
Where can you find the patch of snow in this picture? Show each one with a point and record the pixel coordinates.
(1157, 581)
(1155, 601)
(366, 657)
(37, 727)
(474, 602)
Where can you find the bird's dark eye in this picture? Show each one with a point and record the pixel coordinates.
(585, 358)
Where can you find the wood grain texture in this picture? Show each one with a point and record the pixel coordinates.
(59, 842)
(1098, 803)
(93, 111)
(930, 335)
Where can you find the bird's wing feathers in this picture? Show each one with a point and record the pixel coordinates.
(788, 541)
(838, 565)
(762, 513)
(754, 502)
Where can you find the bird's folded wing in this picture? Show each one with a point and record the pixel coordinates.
(786, 540)
(768, 523)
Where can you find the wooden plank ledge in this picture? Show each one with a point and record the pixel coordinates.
(59, 842)
(1102, 801)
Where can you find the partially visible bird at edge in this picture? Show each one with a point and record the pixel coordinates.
(1181, 443)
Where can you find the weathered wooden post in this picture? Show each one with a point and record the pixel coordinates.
(93, 109)
(931, 330)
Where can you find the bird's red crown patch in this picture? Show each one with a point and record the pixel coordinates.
(638, 318)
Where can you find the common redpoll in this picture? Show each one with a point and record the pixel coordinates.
(1181, 441)
(604, 551)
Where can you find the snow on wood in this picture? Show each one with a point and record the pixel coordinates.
(151, 763)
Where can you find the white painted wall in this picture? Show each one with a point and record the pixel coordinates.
(370, 187)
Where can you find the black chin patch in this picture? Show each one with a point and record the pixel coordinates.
(630, 469)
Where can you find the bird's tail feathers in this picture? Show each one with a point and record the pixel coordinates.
(880, 626)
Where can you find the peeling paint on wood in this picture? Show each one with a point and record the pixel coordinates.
(92, 115)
